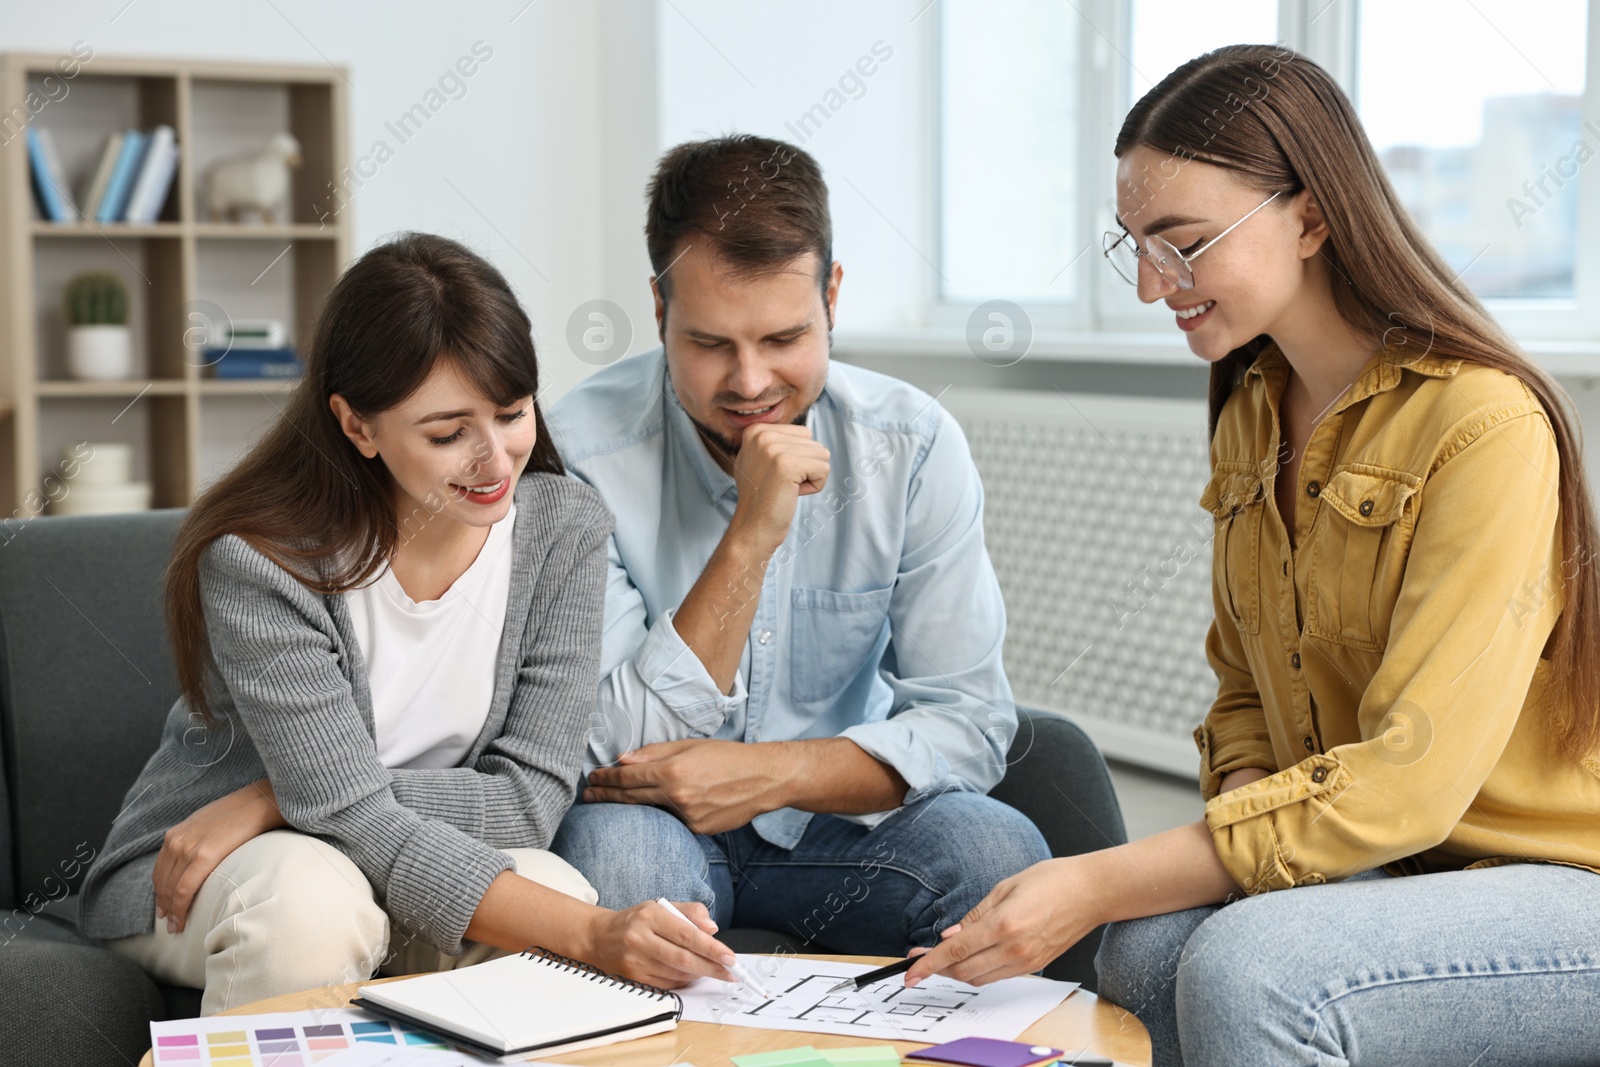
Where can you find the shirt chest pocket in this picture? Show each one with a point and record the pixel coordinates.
(1237, 500)
(833, 634)
(1363, 535)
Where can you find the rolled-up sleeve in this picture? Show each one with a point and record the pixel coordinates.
(952, 719)
(1465, 641)
(282, 674)
(653, 687)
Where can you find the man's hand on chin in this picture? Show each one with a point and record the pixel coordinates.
(713, 786)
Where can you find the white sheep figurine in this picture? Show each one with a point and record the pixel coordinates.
(257, 183)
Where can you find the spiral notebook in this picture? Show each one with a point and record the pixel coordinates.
(535, 1003)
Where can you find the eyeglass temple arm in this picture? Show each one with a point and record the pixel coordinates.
(1235, 226)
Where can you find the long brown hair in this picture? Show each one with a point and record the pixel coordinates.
(1282, 124)
(304, 496)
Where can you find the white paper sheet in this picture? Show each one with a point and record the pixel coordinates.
(380, 1056)
(937, 1010)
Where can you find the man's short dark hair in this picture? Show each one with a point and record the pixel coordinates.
(757, 202)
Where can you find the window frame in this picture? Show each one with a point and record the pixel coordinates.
(1106, 322)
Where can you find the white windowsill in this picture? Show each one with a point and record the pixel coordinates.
(1577, 359)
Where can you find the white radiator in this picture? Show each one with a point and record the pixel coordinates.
(1093, 521)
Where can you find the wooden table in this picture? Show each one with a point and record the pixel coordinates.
(1081, 1023)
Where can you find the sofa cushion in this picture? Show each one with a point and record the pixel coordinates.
(86, 682)
(73, 1006)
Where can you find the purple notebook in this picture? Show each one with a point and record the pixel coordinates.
(986, 1052)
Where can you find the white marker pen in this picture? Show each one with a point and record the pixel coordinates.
(739, 970)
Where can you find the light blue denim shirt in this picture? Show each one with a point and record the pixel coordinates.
(879, 618)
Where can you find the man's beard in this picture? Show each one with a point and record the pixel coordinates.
(727, 447)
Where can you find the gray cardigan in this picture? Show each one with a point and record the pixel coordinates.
(293, 705)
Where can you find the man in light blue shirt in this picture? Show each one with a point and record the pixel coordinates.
(802, 703)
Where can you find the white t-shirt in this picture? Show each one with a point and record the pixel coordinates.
(431, 665)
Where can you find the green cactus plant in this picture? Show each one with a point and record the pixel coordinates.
(97, 298)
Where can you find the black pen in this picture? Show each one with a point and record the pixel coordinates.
(861, 981)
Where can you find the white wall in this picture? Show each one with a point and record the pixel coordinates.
(757, 68)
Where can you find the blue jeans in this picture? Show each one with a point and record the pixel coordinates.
(1499, 965)
(870, 892)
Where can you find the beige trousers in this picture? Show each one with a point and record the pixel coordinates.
(287, 913)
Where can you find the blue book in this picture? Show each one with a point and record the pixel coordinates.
(55, 208)
(252, 363)
(115, 202)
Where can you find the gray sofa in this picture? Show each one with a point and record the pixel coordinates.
(85, 684)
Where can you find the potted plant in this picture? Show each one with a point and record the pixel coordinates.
(99, 346)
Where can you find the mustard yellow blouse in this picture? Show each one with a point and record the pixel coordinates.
(1387, 670)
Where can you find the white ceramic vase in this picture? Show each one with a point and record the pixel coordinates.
(99, 353)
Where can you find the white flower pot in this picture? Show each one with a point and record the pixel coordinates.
(99, 353)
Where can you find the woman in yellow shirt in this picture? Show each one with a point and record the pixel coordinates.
(1407, 636)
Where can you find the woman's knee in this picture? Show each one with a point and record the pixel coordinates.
(1138, 957)
(553, 872)
(301, 892)
(1235, 971)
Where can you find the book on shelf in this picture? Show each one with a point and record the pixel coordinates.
(95, 191)
(256, 333)
(49, 180)
(123, 174)
(156, 170)
(248, 363)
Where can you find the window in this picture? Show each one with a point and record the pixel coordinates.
(1166, 34)
(1481, 111)
(1018, 201)
(1007, 148)
(1476, 113)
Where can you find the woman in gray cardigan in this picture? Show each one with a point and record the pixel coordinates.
(386, 621)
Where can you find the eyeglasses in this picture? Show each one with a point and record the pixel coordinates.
(1123, 253)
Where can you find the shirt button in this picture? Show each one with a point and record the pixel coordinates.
(1314, 489)
(1319, 774)
(1311, 745)
(766, 635)
(1366, 507)
(1294, 661)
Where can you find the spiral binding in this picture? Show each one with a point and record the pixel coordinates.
(595, 974)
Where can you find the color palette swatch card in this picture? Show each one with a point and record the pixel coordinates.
(280, 1039)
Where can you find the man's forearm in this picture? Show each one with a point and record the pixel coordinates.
(714, 618)
(835, 776)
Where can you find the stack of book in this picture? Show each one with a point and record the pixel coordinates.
(252, 348)
(129, 184)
